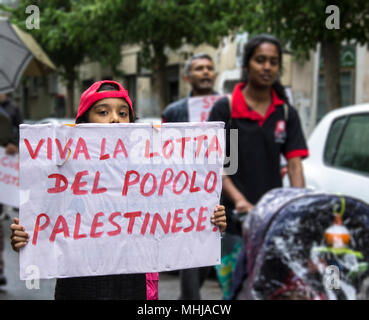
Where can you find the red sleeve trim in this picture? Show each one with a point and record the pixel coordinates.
(163, 120)
(303, 153)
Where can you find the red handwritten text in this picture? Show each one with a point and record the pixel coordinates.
(116, 223)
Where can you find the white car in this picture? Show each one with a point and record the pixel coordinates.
(339, 153)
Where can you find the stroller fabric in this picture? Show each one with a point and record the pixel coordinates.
(306, 245)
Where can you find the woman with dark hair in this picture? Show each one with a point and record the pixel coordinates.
(268, 127)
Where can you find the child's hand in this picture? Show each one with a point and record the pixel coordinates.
(219, 217)
(19, 237)
(11, 149)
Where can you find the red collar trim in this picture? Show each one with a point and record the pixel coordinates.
(240, 109)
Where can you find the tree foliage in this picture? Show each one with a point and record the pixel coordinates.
(70, 33)
(302, 24)
(73, 30)
(157, 25)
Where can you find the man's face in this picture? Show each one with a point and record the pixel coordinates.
(202, 75)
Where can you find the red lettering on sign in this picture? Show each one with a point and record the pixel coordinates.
(201, 219)
(39, 227)
(210, 173)
(204, 116)
(8, 179)
(103, 156)
(128, 182)
(206, 104)
(157, 218)
(143, 182)
(188, 215)
(183, 144)
(63, 151)
(170, 224)
(132, 216)
(34, 154)
(60, 226)
(96, 224)
(167, 154)
(77, 184)
(49, 148)
(111, 220)
(145, 223)
(95, 188)
(200, 142)
(10, 163)
(81, 148)
(163, 181)
(192, 186)
(59, 178)
(77, 226)
(120, 148)
(213, 147)
(149, 154)
(177, 219)
(176, 181)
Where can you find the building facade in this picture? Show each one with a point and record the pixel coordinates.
(45, 97)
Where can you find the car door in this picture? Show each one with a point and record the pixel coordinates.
(346, 157)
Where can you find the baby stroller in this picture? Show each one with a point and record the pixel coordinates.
(305, 245)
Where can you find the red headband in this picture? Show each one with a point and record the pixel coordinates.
(90, 96)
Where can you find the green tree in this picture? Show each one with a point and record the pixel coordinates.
(73, 30)
(70, 33)
(303, 24)
(158, 25)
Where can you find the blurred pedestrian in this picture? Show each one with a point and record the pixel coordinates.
(7, 140)
(13, 112)
(9, 110)
(268, 127)
(105, 102)
(200, 74)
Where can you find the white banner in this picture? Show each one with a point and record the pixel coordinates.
(119, 198)
(199, 107)
(9, 179)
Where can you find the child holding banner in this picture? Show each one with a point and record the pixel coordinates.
(106, 102)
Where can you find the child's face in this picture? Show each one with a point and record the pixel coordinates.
(109, 110)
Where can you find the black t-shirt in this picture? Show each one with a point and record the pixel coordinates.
(261, 141)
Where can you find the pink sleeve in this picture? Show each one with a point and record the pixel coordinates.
(152, 286)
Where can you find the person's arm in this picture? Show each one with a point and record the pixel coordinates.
(295, 149)
(241, 204)
(11, 149)
(296, 172)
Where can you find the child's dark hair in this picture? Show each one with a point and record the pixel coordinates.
(104, 87)
(249, 50)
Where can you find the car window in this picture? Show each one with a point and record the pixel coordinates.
(333, 138)
(353, 149)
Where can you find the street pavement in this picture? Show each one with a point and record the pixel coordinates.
(16, 289)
